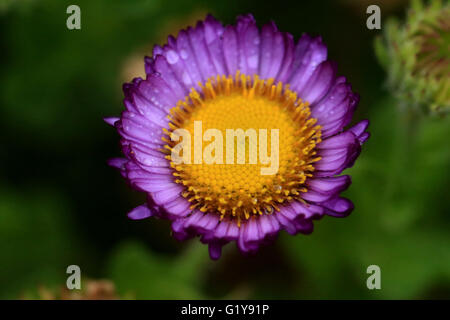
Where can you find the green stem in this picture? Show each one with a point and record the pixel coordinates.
(408, 127)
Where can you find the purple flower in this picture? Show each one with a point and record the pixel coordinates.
(232, 77)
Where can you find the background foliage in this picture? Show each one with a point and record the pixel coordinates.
(60, 204)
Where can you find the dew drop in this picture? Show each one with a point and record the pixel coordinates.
(269, 210)
(253, 61)
(172, 57)
(186, 78)
(184, 54)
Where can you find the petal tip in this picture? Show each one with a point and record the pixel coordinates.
(139, 213)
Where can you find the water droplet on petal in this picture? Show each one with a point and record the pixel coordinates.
(172, 57)
(186, 78)
(184, 54)
(269, 210)
(253, 61)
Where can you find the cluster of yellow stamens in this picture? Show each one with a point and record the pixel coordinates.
(243, 102)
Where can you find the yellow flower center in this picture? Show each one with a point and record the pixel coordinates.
(234, 185)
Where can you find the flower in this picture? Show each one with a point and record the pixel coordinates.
(232, 77)
(416, 56)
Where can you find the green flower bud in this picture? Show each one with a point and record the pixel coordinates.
(416, 56)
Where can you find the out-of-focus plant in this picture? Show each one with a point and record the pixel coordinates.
(416, 56)
(400, 222)
(90, 290)
(144, 274)
(37, 239)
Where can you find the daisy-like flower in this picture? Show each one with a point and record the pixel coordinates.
(240, 77)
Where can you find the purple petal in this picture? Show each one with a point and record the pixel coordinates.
(338, 207)
(149, 65)
(213, 33)
(154, 184)
(111, 120)
(163, 65)
(278, 50)
(167, 195)
(227, 230)
(304, 226)
(319, 83)
(248, 37)
(310, 52)
(199, 47)
(337, 153)
(288, 58)
(179, 207)
(286, 216)
(230, 50)
(358, 131)
(189, 59)
(215, 250)
(335, 110)
(307, 210)
(268, 225)
(141, 212)
(118, 163)
(158, 93)
(148, 158)
(327, 187)
(268, 33)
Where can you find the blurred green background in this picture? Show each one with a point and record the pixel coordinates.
(60, 204)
